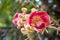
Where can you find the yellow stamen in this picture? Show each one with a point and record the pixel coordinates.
(35, 19)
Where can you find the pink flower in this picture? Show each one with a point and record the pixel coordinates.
(16, 18)
(40, 20)
(16, 15)
(15, 21)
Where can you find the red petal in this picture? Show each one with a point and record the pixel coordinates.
(16, 15)
(42, 13)
(46, 20)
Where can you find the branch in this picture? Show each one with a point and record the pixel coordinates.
(29, 37)
(52, 27)
(55, 22)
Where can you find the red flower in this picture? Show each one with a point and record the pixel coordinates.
(40, 20)
(16, 15)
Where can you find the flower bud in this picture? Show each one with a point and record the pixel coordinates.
(29, 28)
(33, 9)
(23, 31)
(20, 23)
(20, 16)
(24, 9)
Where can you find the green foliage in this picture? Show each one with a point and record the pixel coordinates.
(9, 8)
(6, 9)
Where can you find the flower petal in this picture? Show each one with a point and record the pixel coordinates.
(15, 21)
(16, 15)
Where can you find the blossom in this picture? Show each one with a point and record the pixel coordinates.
(16, 18)
(40, 20)
(15, 21)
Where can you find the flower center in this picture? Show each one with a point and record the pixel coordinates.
(35, 19)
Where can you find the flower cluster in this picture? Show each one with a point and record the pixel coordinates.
(36, 20)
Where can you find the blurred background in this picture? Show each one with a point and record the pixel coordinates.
(8, 8)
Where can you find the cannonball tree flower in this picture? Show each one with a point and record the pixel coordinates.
(40, 20)
(19, 20)
(17, 17)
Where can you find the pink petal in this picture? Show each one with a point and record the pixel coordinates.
(15, 21)
(42, 26)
